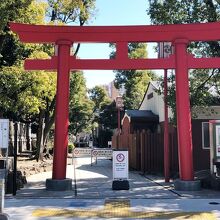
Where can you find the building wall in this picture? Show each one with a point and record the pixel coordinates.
(154, 102)
(201, 157)
(112, 92)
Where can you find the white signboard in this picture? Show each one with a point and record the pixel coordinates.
(165, 49)
(120, 164)
(102, 153)
(80, 152)
(218, 140)
(4, 133)
(90, 143)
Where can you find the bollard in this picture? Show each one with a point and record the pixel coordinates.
(3, 216)
(2, 194)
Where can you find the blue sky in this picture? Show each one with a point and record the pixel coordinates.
(111, 12)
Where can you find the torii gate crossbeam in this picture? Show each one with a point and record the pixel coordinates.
(181, 61)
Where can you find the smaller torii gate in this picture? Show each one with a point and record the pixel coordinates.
(64, 36)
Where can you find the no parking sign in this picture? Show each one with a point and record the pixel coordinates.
(120, 164)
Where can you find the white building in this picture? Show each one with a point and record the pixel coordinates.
(154, 101)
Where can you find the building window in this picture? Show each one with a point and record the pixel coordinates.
(205, 135)
(150, 96)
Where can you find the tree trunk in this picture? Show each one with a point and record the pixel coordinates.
(49, 121)
(39, 143)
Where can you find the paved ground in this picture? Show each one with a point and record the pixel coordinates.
(148, 198)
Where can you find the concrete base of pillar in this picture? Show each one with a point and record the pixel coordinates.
(182, 185)
(4, 216)
(59, 185)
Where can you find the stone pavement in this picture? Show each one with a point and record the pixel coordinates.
(92, 198)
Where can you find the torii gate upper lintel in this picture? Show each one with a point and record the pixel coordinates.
(63, 36)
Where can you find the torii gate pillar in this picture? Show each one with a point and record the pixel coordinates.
(183, 111)
(59, 180)
(185, 149)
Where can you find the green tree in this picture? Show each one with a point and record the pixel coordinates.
(134, 81)
(183, 11)
(80, 107)
(26, 11)
(70, 11)
(204, 84)
(21, 89)
(101, 104)
(12, 52)
(63, 12)
(10, 10)
(25, 96)
(99, 96)
(35, 14)
(108, 117)
(23, 93)
(26, 104)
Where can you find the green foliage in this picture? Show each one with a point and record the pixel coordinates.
(135, 88)
(204, 84)
(80, 107)
(70, 148)
(134, 81)
(99, 96)
(30, 96)
(12, 51)
(11, 10)
(35, 13)
(177, 12)
(105, 114)
(70, 11)
(204, 87)
(23, 93)
(108, 116)
(10, 47)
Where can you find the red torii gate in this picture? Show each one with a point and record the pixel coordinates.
(64, 36)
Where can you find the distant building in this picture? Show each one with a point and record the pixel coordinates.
(112, 92)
